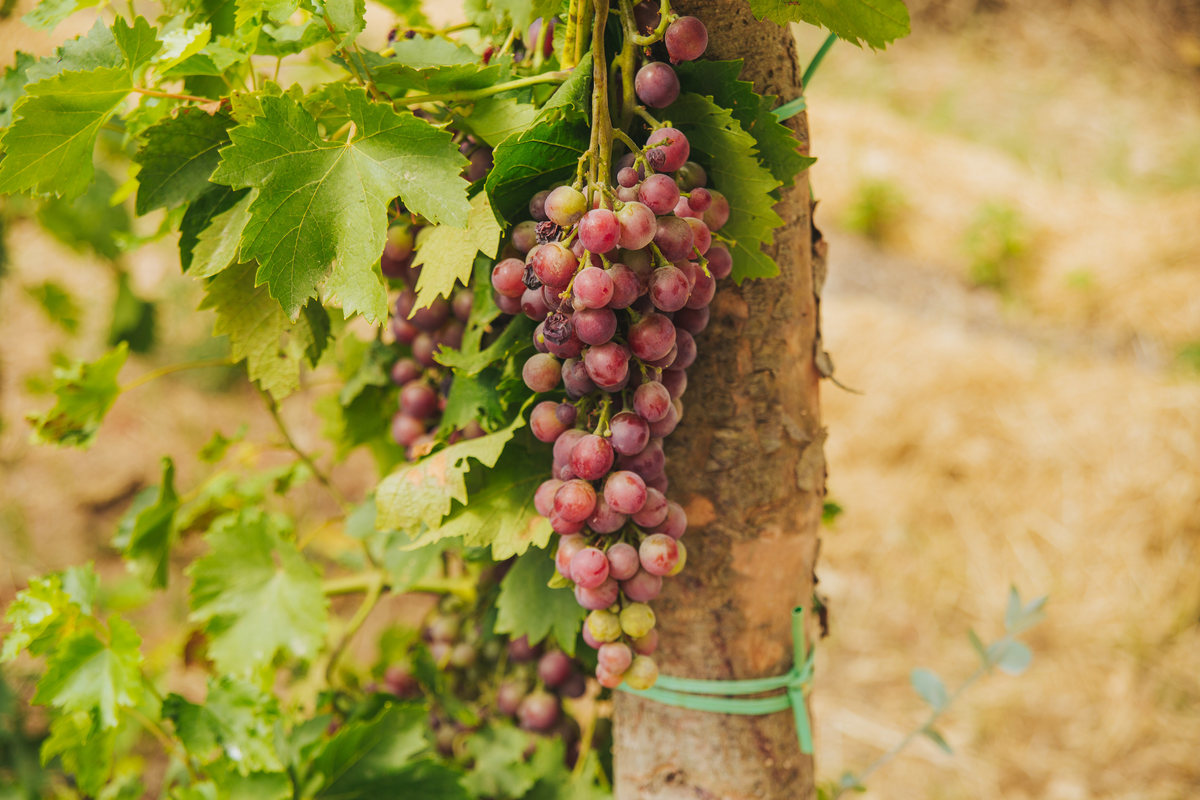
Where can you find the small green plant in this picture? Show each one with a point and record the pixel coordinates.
(1007, 654)
(1188, 358)
(877, 209)
(996, 244)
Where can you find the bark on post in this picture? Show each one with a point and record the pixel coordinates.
(747, 464)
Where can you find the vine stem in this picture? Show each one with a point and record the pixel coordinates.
(557, 76)
(321, 476)
(568, 57)
(361, 582)
(172, 368)
(665, 18)
(896, 749)
(169, 745)
(602, 128)
(172, 95)
(374, 591)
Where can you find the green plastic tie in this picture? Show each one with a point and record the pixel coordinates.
(722, 697)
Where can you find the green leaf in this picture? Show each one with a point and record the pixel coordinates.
(409, 11)
(138, 42)
(397, 77)
(528, 607)
(236, 719)
(57, 303)
(419, 52)
(499, 768)
(96, 49)
(48, 148)
(40, 614)
(259, 331)
(422, 493)
(471, 399)
(277, 10)
(84, 393)
(47, 15)
(574, 95)
(347, 17)
(85, 674)
(500, 513)
(405, 566)
(85, 748)
(978, 647)
(930, 687)
(147, 530)
(1010, 656)
(256, 594)
(199, 216)
(778, 148)
(494, 119)
(12, 85)
(133, 318)
(501, 15)
(536, 159)
(1012, 611)
(932, 735)
(217, 245)
(90, 221)
(323, 205)
(875, 22)
(729, 156)
(447, 253)
(180, 42)
(177, 157)
(381, 758)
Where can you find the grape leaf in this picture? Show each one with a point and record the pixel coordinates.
(381, 757)
(200, 214)
(84, 747)
(260, 332)
(48, 148)
(528, 607)
(13, 84)
(180, 42)
(89, 221)
(217, 245)
(875, 22)
(471, 399)
(138, 42)
(57, 302)
(778, 148)
(501, 513)
(277, 10)
(146, 532)
(419, 52)
(346, 16)
(447, 252)
(84, 393)
(501, 15)
(397, 77)
(133, 318)
(494, 119)
(47, 15)
(95, 49)
(499, 768)
(421, 493)
(534, 160)
(256, 594)
(727, 152)
(39, 614)
(574, 95)
(409, 11)
(236, 717)
(85, 674)
(177, 157)
(324, 204)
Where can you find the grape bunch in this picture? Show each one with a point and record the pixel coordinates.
(418, 336)
(494, 675)
(618, 271)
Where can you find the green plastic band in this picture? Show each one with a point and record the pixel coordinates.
(722, 697)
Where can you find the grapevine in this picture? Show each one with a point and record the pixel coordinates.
(484, 254)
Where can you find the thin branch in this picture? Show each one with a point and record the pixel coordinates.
(172, 368)
(321, 476)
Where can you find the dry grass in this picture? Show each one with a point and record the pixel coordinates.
(1037, 440)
